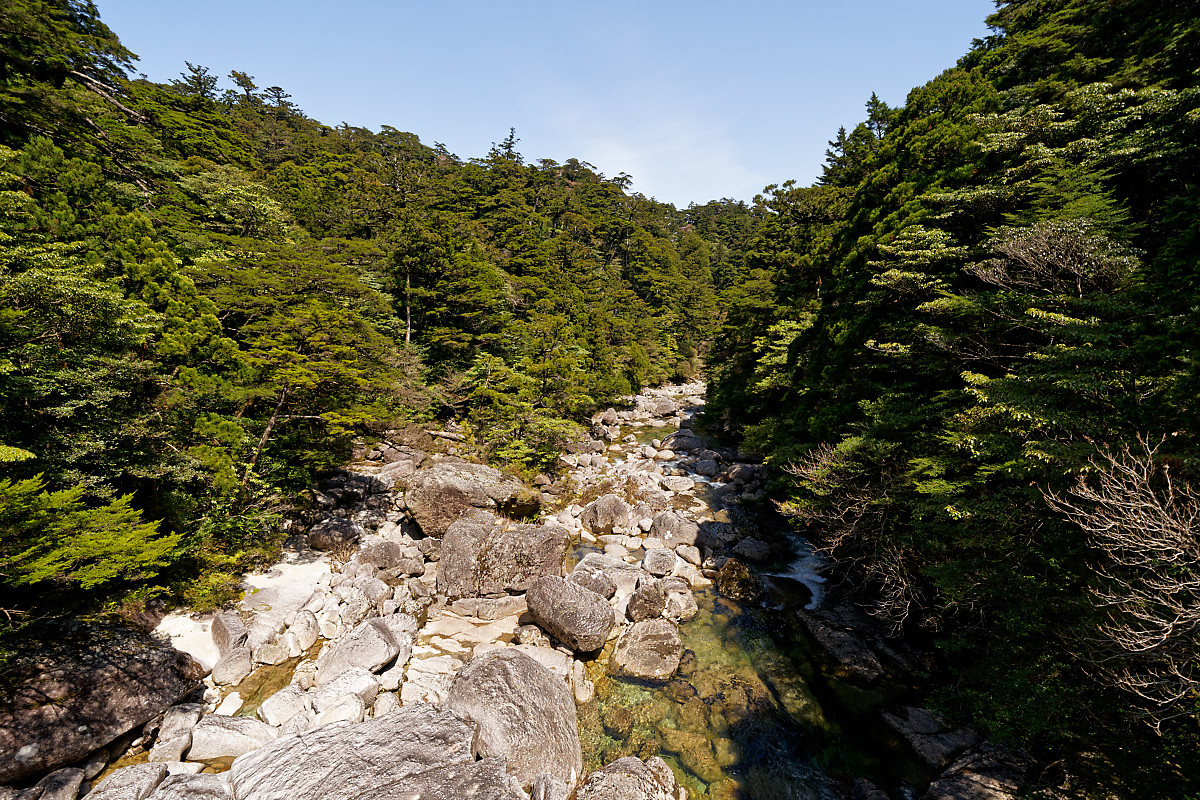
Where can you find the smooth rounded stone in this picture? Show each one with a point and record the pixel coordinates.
(228, 737)
(577, 617)
(689, 553)
(752, 549)
(598, 582)
(531, 635)
(493, 556)
(678, 483)
(673, 529)
(228, 631)
(180, 719)
(354, 609)
(135, 782)
(230, 705)
(648, 650)
(440, 494)
(376, 590)
(385, 703)
(659, 562)
(735, 580)
(646, 451)
(81, 686)
(647, 602)
(369, 646)
(349, 709)
(305, 629)
(615, 550)
(625, 576)
(707, 467)
(664, 455)
(391, 678)
(645, 524)
(633, 543)
(525, 714)
(381, 552)
(684, 440)
(356, 681)
(170, 748)
(331, 532)
(605, 513)
(348, 762)
(630, 779)
(283, 705)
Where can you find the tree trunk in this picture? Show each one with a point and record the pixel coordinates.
(262, 442)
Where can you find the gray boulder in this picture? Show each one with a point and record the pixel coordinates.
(683, 440)
(605, 513)
(439, 495)
(370, 645)
(333, 531)
(932, 738)
(62, 784)
(305, 629)
(649, 650)
(283, 705)
(135, 782)
(382, 553)
(630, 779)
(987, 772)
(752, 549)
(218, 736)
(648, 602)
(233, 666)
(348, 762)
(354, 681)
(659, 561)
(81, 687)
(228, 631)
(577, 617)
(673, 529)
(493, 556)
(598, 582)
(525, 714)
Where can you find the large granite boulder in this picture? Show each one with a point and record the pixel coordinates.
(673, 529)
(737, 581)
(525, 714)
(483, 555)
(417, 751)
(605, 513)
(79, 687)
(630, 779)
(439, 495)
(986, 772)
(648, 650)
(683, 440)
(577, 617)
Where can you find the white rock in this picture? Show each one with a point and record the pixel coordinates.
(349, 709)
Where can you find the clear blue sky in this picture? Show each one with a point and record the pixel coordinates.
(696, 100)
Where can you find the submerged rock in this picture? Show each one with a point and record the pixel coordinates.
(630, 779)
(649, 651)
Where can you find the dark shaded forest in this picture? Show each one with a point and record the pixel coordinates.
(969, 351)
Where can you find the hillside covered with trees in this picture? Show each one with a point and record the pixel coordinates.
(207, 296)
(973, 357)
(968, 352)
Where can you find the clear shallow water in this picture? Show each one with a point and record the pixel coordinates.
(750, 714)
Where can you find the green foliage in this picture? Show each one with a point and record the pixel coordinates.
(54, 538)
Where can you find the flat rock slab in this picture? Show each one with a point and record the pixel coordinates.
(525, 714)
(219, 736)
(82, 687)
